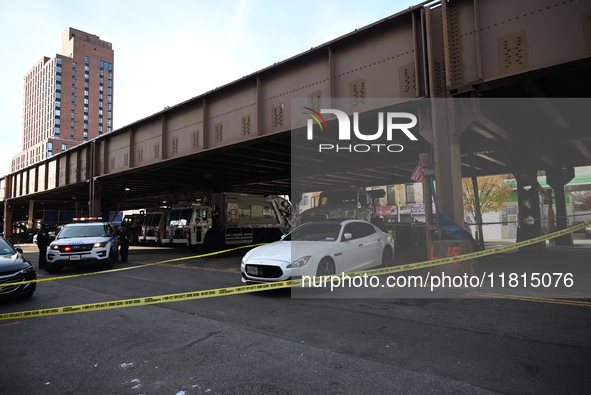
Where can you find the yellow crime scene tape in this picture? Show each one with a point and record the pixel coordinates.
(210, 293)
(132, 267)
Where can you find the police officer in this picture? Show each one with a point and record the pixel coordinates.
(124, 237)
(43, 240)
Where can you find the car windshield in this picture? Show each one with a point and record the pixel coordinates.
(315, 232)
(82, 231)
(6, 248)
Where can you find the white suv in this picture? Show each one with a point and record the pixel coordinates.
(86, 241)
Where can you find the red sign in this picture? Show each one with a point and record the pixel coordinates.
(417, 175)
(386, 211)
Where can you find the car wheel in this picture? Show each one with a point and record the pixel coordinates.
(53, 268)
(109, 263)
(325, 267)
(387, 257)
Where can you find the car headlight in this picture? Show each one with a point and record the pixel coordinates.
(100, 245)
(27, 270)
(54, 247)
(300, 262)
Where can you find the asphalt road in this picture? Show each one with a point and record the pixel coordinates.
(463, 343)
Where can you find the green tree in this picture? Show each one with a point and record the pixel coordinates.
(585, 204)
(493, 192)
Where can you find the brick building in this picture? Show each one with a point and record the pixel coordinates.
(68, 99)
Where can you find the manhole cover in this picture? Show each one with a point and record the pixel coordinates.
(252, 389)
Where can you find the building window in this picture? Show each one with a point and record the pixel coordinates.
(391, 195)
(73, 65)
(64, 147)
(410, 193)
(72, 133)
(87, 60)
(85, 135)
(56, 131)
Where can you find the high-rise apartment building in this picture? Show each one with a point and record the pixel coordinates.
(68, 99)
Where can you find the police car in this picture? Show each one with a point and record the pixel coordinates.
(85, 241)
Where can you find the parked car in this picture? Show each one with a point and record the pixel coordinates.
(85, 241)
(588, 232)
(15, 268)
(319, 248)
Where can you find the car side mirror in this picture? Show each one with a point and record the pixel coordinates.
(19, 250)
(347, 236)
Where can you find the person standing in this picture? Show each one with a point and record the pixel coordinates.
(43, 240)
(124, 237)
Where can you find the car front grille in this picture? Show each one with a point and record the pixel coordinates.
(264, 271)
(5, 286)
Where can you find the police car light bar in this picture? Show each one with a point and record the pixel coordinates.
(88, 219)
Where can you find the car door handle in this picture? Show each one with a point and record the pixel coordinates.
(360, 245)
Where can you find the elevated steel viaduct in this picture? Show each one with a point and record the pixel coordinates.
(499, 86)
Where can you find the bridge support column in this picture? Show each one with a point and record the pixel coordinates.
(30, 219)
(557, 179)
(94, 204)
(529, 214)
(8, 206)
(448, 167)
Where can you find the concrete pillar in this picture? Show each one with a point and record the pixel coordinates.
(448, 167)
(30, 219)
(557, 179)
(95, 206)
(530, 224)
(8, 205)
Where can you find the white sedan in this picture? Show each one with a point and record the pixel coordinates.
(319, 248)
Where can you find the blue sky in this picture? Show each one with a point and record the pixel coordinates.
(167, 51)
